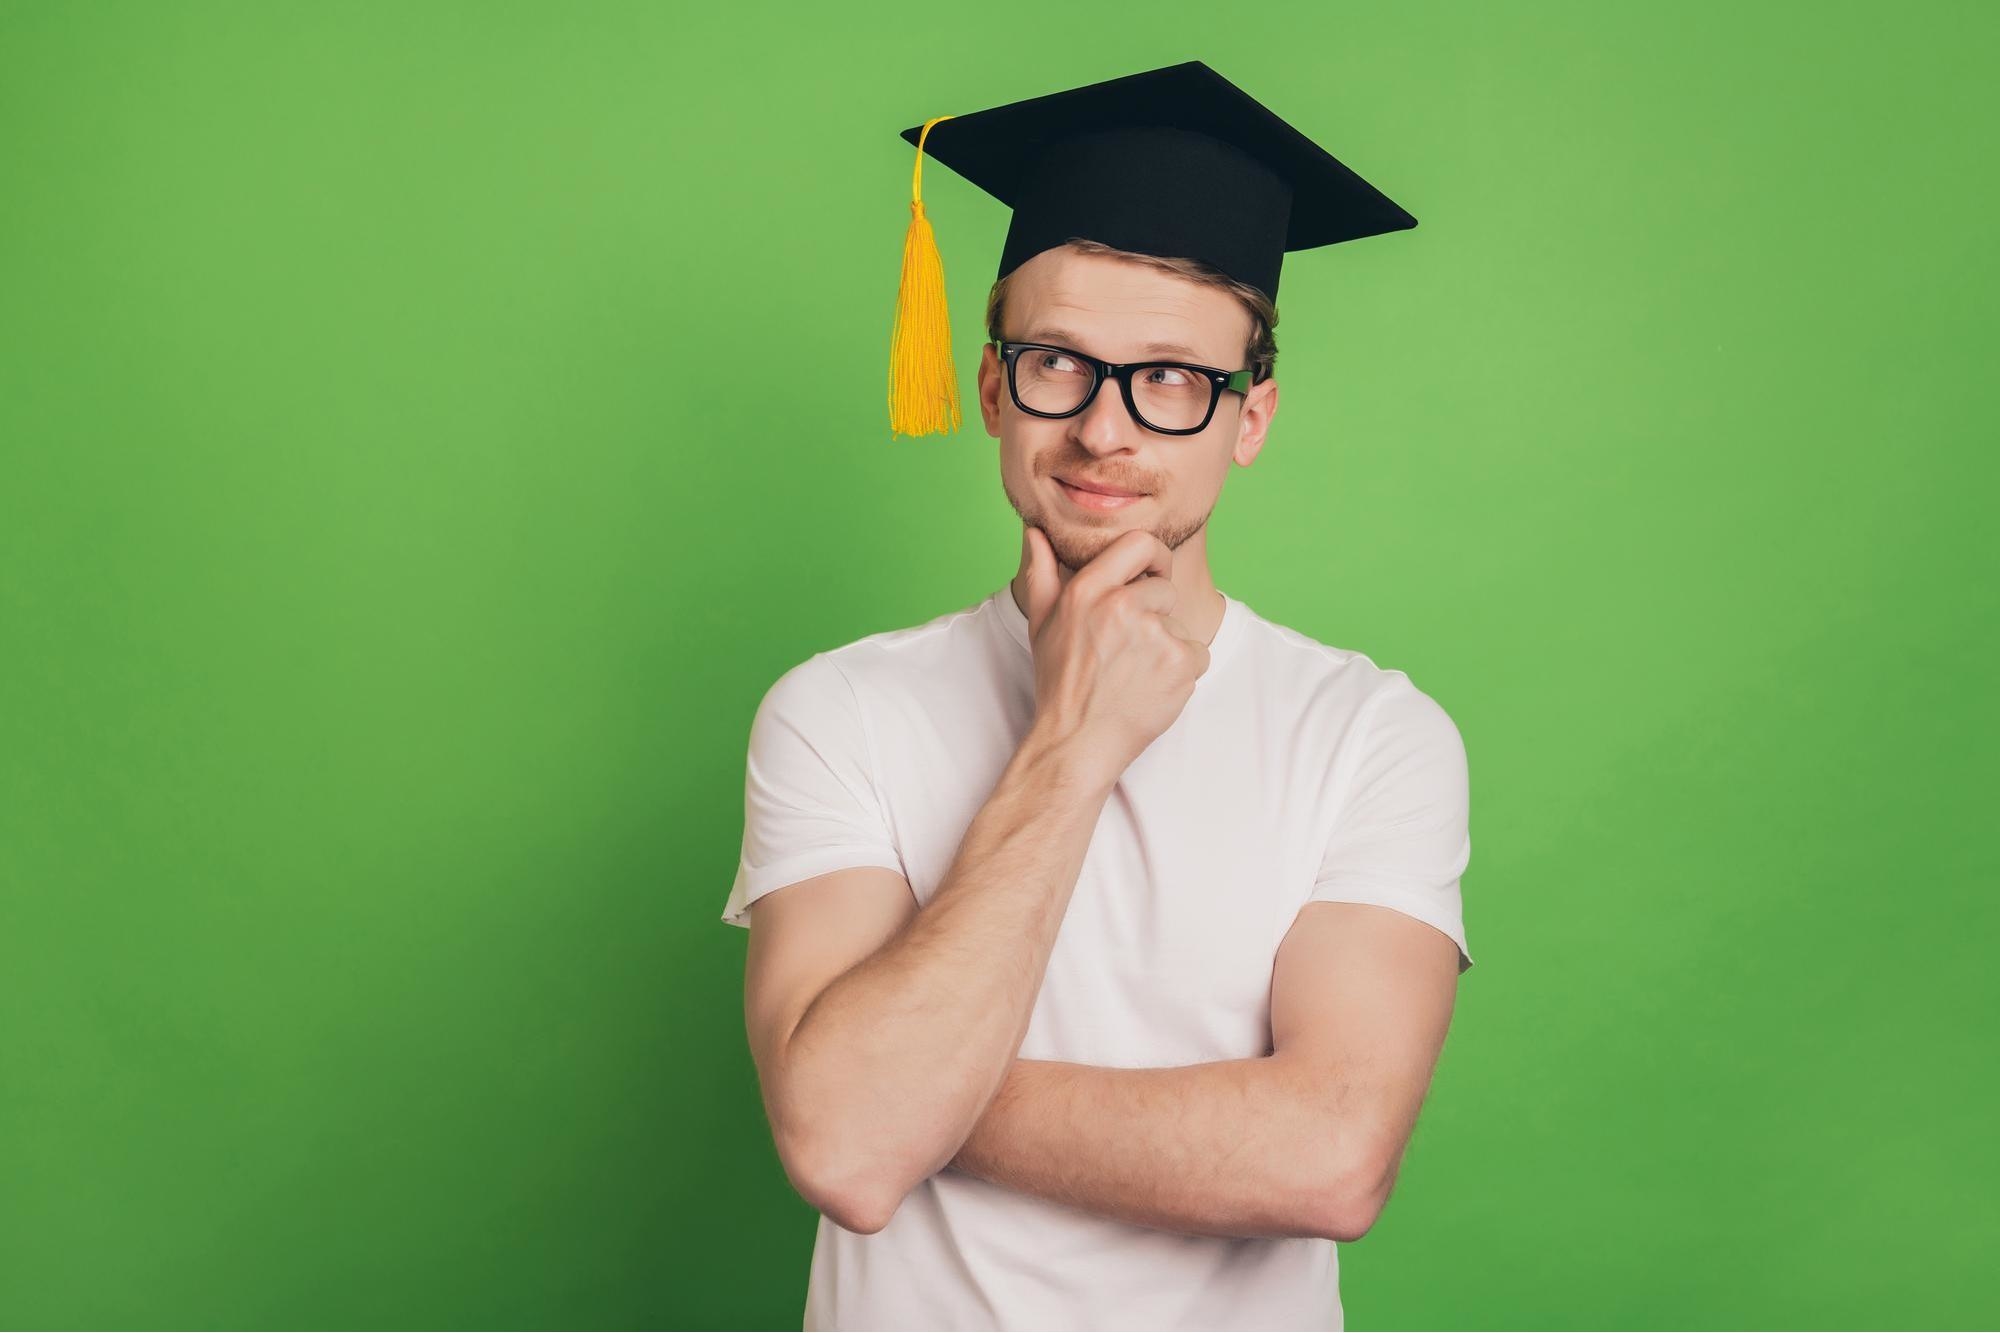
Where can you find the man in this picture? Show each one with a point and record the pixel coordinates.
(1104, 933)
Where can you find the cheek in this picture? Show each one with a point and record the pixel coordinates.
(1015, 460)
(1018, 472)
(1028, 448)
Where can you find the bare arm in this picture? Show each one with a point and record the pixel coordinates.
(873, 1085)
(881, 1038)
(1304, 1141)
(1229, 1148)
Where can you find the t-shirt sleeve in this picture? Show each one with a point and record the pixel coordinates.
(809, 801)
(1401, 839)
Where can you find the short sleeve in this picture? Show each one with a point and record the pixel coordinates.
(1401, 839)
(809, 803)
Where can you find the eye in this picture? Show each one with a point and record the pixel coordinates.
(1057, 362)
(1172, 377)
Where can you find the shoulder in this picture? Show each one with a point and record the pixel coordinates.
(1331, 681)
(886, 662)
(892, 652)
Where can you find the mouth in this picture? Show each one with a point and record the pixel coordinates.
(1101, 501)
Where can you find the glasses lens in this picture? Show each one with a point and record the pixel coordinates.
(1170, 397)
(1046, 380)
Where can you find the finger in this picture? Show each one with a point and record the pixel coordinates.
(1193, 647)
(1198, 651)
(1043, 583)
(1149, 592)
(1133, 553)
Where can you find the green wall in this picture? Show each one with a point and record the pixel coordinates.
(425, 430)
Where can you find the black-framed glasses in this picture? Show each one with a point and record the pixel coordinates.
(1171, 397)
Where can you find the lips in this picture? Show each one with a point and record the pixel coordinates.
(1098, 487)
(1096, 502)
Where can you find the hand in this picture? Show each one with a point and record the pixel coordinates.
(1113, 667)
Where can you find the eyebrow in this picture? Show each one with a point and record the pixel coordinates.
(1068, 339)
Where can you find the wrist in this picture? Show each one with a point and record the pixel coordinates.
(1066, 760)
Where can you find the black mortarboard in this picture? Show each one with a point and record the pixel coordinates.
(1177, 162)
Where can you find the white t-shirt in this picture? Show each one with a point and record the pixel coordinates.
(1296, 771)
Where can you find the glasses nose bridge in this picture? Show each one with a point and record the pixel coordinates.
(1103, 386)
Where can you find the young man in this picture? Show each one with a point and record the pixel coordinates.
(1104, 933)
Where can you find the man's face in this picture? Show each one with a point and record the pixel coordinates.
(1116, 310)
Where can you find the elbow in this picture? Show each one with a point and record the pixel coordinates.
(1347, 1218)
(1349, 1204)
(863, 1210)
(850, 1195)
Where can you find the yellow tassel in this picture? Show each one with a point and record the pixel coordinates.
(923, 384)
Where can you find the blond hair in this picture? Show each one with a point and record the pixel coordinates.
(1260, 356)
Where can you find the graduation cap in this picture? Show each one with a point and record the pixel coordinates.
(1177, 162)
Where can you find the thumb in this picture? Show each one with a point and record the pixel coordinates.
(1043, 583)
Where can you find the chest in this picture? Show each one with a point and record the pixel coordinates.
(1200, 859)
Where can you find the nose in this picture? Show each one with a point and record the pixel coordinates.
(1106, 426)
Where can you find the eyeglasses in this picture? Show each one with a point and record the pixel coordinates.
(1171, 397)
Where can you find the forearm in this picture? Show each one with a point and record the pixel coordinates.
(889, 1068)
(1231, 1148)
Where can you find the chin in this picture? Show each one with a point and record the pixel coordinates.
(1077, 544)
(1076, 538)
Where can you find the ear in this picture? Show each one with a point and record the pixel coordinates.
(992, 376)
(1260, 404)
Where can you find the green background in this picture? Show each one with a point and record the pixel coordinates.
(429, 429)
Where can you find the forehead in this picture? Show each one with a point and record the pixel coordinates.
(1122, 311)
